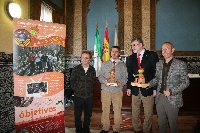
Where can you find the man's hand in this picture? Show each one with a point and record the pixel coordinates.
(128, 92)
(154, 93)
(106, 83)
(118, 82)
(166, 93)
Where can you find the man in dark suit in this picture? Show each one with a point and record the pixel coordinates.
(171, 79)
(82, 81)
(146, 60)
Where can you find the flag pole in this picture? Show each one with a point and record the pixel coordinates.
(97, 26)
(116, 36)
(106, 23)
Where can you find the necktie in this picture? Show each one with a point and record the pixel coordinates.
(138, 60)
(113, 69)
(114, 63)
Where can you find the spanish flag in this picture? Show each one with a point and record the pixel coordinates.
(106, 46)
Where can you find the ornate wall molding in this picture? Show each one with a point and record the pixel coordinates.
(127, 26)
(69, 26)
(88, 6)
(146, 23)
(84, 23)
(120, 10)
(117, 5)
(137, 18)
(153, 24)
(184, 53)
(77, 33)
(76, 21)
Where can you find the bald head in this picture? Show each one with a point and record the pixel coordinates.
(167, 51)
(169, 43)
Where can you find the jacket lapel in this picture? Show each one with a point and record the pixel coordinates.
(144, 59)
(161, 69)
(134, 64)
(171, 69)
(134, 59)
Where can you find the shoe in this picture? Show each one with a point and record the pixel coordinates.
(138, 132)
(86, 132)
(103, 131)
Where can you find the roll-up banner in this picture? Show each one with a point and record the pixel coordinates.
(38, 71)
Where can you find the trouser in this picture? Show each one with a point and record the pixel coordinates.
(148, 103)
(166, 113)
(116, 99)
(82, 105)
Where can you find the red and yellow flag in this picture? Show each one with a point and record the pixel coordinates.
(106, 47)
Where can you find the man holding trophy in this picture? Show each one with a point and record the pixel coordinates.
(141, 67)
(113, 77)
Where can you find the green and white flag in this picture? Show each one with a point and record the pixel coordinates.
(97, 53)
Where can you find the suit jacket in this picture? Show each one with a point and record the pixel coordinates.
(177, 81)
(83, 83)
(148, 62)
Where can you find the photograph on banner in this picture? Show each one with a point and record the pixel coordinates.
(38, 72)
(36, 89)
(35, 60)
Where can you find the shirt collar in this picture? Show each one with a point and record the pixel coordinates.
(142, 52)
(116, 60)
(169, 63)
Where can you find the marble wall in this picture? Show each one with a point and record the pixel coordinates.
(7, 116)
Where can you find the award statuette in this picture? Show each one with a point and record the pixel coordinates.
(140, 79)
(112, 81)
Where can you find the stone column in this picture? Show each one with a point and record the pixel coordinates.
(77, 33)
(148, 23)
(127, 26)
(85, 9)
(137, 18)
(69, 26)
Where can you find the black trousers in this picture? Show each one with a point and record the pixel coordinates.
(82, 105)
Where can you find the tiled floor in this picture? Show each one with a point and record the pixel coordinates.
(187, 122)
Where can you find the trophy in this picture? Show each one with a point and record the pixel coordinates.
(140, 79)
(112, 80)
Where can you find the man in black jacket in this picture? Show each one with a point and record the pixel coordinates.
(82, 80)
(144, 60)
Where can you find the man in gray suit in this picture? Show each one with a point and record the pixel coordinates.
(171, 79)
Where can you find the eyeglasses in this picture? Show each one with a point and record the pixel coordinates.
(134, 44)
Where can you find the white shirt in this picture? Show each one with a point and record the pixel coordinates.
(116, 61)
(85, 68)
(141, 54)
